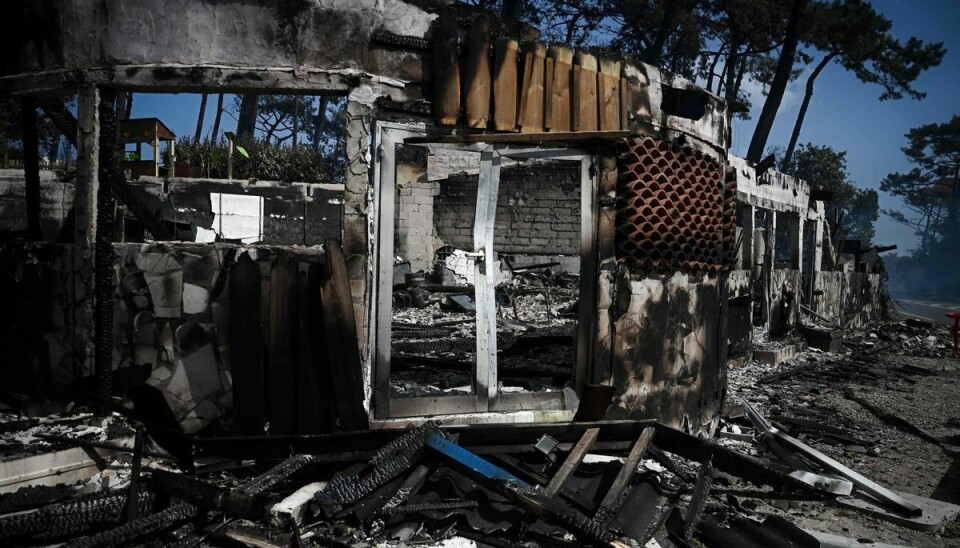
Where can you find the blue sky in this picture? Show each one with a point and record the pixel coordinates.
(844, 113)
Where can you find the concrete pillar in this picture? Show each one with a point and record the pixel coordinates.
(815, 256)
(86, 186)
(359, 248)
(747, 225)
(87, 181)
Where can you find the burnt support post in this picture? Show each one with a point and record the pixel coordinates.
(747, 225)
(31, 165)
(815, 254)
(769, 264)
(103, 250)
(85, 192)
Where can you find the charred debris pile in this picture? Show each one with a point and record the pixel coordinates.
(586, 482)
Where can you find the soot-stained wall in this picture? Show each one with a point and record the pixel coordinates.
(538, 210)
(661, 344)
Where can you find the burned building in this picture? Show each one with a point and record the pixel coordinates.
(498, 202)
(525, 252)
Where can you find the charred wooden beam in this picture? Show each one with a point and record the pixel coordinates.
(103, 251)
(207, 496)
(70, 517)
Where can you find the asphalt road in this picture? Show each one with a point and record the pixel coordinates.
(932, 311)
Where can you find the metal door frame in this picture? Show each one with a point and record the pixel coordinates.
(486, 396)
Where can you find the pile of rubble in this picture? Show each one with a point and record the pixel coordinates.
(783, 462)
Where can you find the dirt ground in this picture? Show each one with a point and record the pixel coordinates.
(901, 459)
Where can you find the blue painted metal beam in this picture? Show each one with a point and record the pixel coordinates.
(472, 462)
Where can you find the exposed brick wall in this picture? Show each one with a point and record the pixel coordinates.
(538, 210)
(414, 230)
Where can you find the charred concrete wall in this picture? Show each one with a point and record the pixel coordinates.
(538, 210)
(662, 286)
(289, 213)
(852, 299)
(56, 202)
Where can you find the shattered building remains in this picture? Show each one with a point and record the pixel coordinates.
(661, 251)
(524, 234)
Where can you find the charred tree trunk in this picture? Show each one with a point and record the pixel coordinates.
(203, 112)
(321, 121)
(808, 93)
(779, 85)
(247, 122)
(713, 69)
(296, 120)
(215, 134)
(31, 165)
(121, 105)
(655, 51)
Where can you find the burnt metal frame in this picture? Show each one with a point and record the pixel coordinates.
(486, 396)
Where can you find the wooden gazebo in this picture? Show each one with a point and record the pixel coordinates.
(140, 131)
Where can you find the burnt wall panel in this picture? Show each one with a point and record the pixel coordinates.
(784, 301)
(666, 360)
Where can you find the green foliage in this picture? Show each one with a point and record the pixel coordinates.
(259, 160)
(931, 194)
(853, 211)
(859, 38)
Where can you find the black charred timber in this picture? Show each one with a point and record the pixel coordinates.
(252, 488)
(727, 460)
(418, 107)
(700, 493)
(206, 496)
(664, 459)
(103, 251)
(431, 507)
(71, 517)
(57, 112)
(388, 38)
(138, 528)
(275, 475)
(31, 165)
(341, 445)
(393, 459)
(549, 508)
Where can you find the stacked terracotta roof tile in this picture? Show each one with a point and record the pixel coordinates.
(676, 208)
